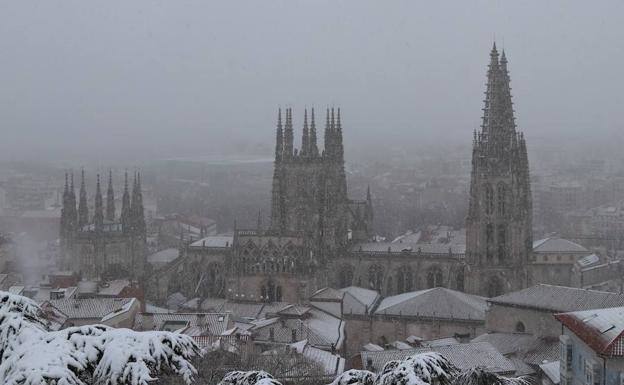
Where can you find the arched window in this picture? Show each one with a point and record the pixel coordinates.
(502, 198)
(434, 277)
(520, 327)
(404, 278)
(278, 294)
(502, 244)
(489, 240)
(460, 280)
(375, 277)
(489, 199)
(389, 286)
(345, 276)
(494, 287)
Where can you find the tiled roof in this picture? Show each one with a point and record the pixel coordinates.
(216, 241)
(551, 370)
(531, 349)
(464, 356)
(438, 303)
(89, 308)
(164, 256)
(332, 364)
(557, 245)
(601, 329)
(559, 298)
(197, 323)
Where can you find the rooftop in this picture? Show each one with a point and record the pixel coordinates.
(559, 298)
(557, 245)
(438, 302)
(464, 356)
(601, 329)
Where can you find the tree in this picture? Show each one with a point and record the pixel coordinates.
(86, 355)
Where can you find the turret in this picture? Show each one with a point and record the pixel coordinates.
(305, 137)
(136, 207)
(313, 145)
(110, 198)
(83, 209)
(279, 138)
(288, 136)
(125, 206)
(98, 215)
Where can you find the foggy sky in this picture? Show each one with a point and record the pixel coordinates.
(169, 78)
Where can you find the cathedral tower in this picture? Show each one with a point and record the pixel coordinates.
(499, 222)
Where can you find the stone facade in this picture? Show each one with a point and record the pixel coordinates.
(103, 247)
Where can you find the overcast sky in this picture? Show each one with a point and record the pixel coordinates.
(176, 77)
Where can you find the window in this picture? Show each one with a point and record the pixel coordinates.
(489, 239)
(489, 199)
(293, 336)
(520, 327)
(434, 277)
(271, 334)
(502, 246)
(502, 198)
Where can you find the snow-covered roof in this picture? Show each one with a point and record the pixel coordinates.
(164, 256)
(91, 308)
(533, 350)
(114, 287)
(601, 329)
(557, 245)
(430, 249)
(588, 260)
(358, 300)
(187, 323)
(216, 241)
(439, 302)
(463, 356)
(332, 364)
(551, 370)
(559, 298)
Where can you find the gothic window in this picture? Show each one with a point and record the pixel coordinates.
(263, 293)
(345, 276)
(434, 277)
(389, 286)
(494, 287)
(278, 294)
(271, 292)
(489, 199)
(460, 280)
(404, 280)
(501, 242)
(489, 239)
(502, 198)
(375, 277)
(520, 327)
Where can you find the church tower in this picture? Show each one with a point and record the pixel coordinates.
(499, 221)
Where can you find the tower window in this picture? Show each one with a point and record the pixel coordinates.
(502, 246)
(489, 199)
(489, 239)
(502, 197)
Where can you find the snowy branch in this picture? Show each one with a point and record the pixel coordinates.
(32, 355)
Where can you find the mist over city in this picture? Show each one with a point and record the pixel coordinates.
(318, 192)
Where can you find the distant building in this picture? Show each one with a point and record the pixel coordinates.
(103, 246)
(592, 344)
(553, 261)
(531, 310)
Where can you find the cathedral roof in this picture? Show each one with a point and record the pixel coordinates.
(559, 298)
(439, 302)
(557, 245)
(409, 248)
(220, 241)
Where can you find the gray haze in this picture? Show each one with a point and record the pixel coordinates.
(170, 78)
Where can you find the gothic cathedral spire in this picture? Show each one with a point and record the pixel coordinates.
(110, 198)
(83, 210)
(499, 221)
(98, 215)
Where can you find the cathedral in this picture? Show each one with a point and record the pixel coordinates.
(103, 246)
(319, 237)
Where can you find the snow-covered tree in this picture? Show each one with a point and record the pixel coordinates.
(479, 376)
(86, 355)
(355, 377)
(252, 377)
(419, 369)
